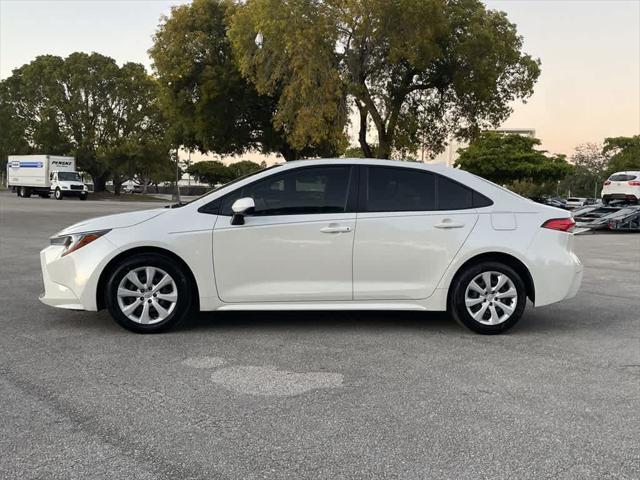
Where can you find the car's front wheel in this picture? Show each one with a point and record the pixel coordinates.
(148, 293)
(488, 298)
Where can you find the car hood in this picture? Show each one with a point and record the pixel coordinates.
(119, 220)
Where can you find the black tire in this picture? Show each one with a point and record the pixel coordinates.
(58, 194)
(24, 192)
(185, 291)
(83, 196)
(458, 307)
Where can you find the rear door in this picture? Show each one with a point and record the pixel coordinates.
(411, 223)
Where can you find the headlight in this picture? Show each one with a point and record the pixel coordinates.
(76, 241)
(64, 187)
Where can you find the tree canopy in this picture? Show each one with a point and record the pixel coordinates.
(419, 70)
(87, 106)
(624, 151)
(511, 159)
(214, 173)
(210, 106)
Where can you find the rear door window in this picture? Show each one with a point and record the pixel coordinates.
(455, 196)
(392, 189)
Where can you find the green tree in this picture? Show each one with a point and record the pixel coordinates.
(590, 170)
(243, 167)
(209, 105)
(210, 172)
(512, 160)
(419, 70)
(624, 151)
(12, 131)
(85, 106)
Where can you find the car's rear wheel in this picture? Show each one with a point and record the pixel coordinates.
(488, 298)
(148, 293)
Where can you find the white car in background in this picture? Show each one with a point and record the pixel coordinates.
(622, 186)
(336, 234)
(575, 202)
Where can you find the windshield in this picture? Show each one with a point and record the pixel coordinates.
(69, 177)
(220, 187)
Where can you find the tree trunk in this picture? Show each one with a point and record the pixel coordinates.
(99, 182)
(362, 134)
(289, 153)
(117, 185)
(384, 146)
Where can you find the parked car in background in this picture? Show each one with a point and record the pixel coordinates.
(336, 234)
(575, 202)
(622, 186)
(557, 202)
(131, 187)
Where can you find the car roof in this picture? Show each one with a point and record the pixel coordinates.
(369, 161)
(500, 195)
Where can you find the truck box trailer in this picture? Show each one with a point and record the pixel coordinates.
(45, 175)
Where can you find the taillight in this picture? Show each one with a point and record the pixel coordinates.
(634, 183)
(607, 182)
(561, 224)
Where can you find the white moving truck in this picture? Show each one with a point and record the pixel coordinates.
(45, 175)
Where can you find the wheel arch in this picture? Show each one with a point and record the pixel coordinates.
(108, 269)
(500, 257)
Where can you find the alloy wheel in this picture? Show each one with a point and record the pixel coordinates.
(491, 298)
(147, 295)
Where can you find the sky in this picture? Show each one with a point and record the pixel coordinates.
(589, 88)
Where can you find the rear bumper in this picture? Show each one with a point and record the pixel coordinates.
(620, 196)
(556, 270)
(576, 282)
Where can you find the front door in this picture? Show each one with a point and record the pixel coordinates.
(296, 246)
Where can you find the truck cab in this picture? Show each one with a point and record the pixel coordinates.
(67, 184)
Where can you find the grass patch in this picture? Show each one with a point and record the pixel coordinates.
(125, 197)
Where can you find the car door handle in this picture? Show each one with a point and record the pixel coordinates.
(333, 228)
(446, 224)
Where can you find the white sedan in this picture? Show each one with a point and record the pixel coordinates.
(335, 234)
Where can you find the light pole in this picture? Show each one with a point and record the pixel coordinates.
(177, 192)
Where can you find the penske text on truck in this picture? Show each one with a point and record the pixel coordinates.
(45, 175)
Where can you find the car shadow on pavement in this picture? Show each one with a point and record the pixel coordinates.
(320, 320)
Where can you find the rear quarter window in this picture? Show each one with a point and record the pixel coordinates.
(452, 195)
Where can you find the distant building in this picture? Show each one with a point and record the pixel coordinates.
(525, 132)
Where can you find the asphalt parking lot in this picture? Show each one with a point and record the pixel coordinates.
(316, 395)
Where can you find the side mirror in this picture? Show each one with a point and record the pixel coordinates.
(241, 208)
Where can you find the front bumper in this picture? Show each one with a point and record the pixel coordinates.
(71, 281)
(74, 193)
